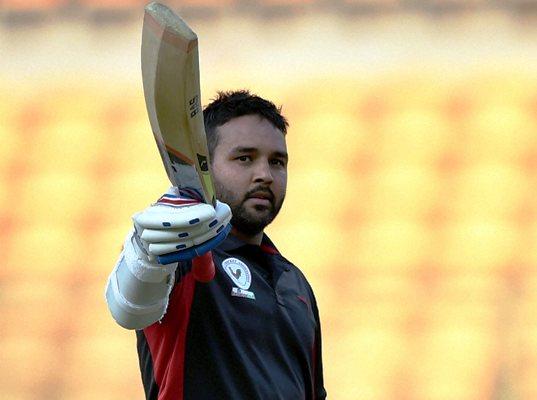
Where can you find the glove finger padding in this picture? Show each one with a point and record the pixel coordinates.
(172, 235)
(188, 236)
(194, 251)
(161, 216)
(159, 249)
(206, 235)
(162, 229)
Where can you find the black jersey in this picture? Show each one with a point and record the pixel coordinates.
(253, 332)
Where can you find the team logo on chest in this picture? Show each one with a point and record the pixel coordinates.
(241, 277)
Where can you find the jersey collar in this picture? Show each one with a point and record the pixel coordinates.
(232, 243)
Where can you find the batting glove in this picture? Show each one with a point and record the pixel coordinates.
(180, 227)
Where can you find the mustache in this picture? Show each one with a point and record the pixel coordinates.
(260, 189)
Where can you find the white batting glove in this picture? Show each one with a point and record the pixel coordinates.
(178, 228)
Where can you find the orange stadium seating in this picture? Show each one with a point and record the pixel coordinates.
(411, 208)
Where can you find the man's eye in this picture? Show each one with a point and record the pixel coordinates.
(278, 162)
(244, 158)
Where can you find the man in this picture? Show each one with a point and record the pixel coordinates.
(252, 332)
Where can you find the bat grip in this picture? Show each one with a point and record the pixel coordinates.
(203, 267)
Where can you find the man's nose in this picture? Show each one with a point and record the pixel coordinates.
(263, 173)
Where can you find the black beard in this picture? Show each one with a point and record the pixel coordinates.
(242, 219)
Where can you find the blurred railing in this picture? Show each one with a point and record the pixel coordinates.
(22, 12)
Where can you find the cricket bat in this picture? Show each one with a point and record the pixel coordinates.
(171, 81)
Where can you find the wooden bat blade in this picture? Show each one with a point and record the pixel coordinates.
(170, 72)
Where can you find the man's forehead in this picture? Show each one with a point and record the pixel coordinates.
(251, 132)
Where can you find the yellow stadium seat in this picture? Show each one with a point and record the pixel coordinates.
(326, 140)
(480, 246)
(415, 90)
(480, 289)
(413, 136)
(401, 192)
(454, 362)
(528, 296)
(382, 300)
(519, 329)
(321, 96)
(64, 101)
(76, 145)
(525, 319)
(527, 389)
(449, 311)
(18, 394)
(383, 314)
(325, 195)
(91, 304)
(7, 196)
(309, 246)
(44, 251)
(135, 149)
(127, 193)
(396, 246)
(528, 252)
(488, 192)
(12, 145)
(111, 393)
(33, 307)
(500, 134)
(30, 363)
(59, 199)
(106, 246)
(101, 364)
(365, 363)
(507, 87)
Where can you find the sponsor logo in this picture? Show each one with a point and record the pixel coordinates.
(241, 277)
(242, 293)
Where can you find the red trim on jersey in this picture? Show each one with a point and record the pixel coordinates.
(167, 341)
(269, 249)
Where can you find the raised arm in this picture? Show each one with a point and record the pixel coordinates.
(172, 230)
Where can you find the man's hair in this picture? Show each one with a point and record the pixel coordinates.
(233, 104)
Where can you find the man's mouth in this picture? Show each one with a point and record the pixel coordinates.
(261, 197)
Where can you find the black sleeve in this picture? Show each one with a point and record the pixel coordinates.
(320, 392)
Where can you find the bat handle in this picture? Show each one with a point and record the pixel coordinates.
(203, 267)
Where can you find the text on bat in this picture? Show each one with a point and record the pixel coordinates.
(194, 105)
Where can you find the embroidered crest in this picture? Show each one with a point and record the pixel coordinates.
(241, 277)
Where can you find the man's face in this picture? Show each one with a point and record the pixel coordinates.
(249, 166)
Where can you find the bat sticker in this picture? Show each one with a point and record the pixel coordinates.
(202, 162)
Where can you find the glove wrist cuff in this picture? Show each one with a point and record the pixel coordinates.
(139, 264)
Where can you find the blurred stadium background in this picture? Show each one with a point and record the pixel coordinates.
(411, 203)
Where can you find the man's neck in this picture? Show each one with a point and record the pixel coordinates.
(250, 239)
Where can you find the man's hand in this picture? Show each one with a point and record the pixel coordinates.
(179, 228)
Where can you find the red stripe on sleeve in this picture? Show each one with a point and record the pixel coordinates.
(167, 341)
